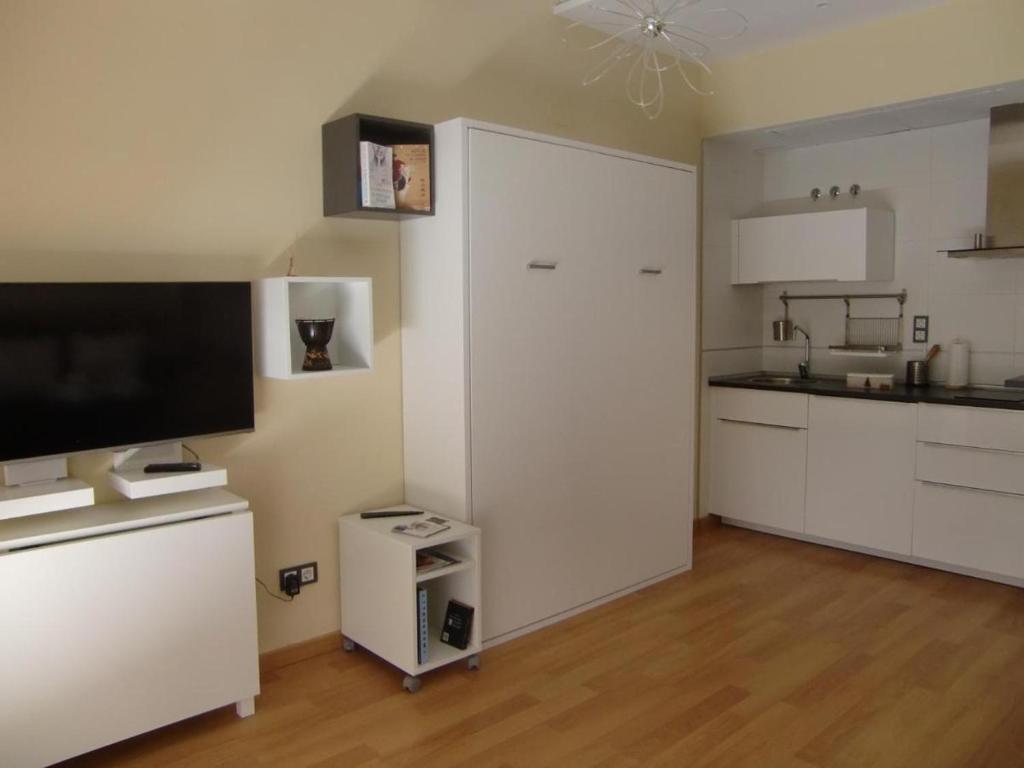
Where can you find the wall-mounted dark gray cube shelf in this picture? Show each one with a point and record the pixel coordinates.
(341, 139)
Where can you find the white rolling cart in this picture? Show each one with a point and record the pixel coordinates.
(379, 591)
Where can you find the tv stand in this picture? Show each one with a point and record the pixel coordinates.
(125, 617)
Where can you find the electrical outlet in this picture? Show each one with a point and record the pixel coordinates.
(308, 574)
(301, 575)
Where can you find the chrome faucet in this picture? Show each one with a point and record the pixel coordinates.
(805, 366)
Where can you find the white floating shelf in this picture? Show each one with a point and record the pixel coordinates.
(280, 301)
(40, 498)
(136, 484)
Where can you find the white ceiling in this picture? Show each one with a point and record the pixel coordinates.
(772, 23)
(926, 113)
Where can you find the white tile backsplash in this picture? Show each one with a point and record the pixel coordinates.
(987, 322)
(958, 208)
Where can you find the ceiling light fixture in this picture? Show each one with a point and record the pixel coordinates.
(655, 36)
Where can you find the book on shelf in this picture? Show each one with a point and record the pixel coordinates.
(428, 560)
(428, 526)
(458, 624)
(411, 175)
(375, 173)
(423, 646)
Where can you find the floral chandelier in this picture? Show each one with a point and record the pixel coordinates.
(654, 37)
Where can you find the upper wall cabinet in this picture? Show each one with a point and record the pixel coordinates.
(857, 244)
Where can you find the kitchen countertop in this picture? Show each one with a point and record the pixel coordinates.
(835, 386)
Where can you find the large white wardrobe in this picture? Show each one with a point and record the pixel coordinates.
(549, 366)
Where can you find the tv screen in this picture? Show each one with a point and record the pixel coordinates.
(85, 366)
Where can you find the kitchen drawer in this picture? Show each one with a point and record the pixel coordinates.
(782, 409)
(972, 529)
(995, 428)
(971, 467)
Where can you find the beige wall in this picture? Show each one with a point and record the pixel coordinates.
(180, 140)
(956, 46)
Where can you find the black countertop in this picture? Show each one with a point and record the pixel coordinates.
(835, 386)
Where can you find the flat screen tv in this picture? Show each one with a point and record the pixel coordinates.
(89, 366)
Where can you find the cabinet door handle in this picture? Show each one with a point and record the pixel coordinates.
(549, 265)
(761, 424)
(651, 270)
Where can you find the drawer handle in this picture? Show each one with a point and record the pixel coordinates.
(958, 446)
(973, 489)
(549, 265)
(650, 271)
(761, 424)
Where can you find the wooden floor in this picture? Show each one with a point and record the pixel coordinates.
(771, 653)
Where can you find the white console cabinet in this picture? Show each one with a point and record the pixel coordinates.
(122, 618)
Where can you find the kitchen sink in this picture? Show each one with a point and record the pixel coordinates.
(782, 380)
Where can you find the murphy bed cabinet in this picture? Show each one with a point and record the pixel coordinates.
(548, 350)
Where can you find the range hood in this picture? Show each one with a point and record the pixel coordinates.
(1004, 235)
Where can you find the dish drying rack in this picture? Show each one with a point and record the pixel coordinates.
(865, 336)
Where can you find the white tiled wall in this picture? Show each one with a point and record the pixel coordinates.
(936, 182)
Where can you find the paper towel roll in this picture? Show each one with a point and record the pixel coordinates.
(959, 364)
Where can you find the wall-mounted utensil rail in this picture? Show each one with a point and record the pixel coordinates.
(864, 335)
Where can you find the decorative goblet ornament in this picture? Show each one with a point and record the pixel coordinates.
(315, 334)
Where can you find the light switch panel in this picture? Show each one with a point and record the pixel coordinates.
(920, 329)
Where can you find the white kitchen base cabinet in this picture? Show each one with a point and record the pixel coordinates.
(379, 592)
(930, 484)
(860, 472)
(122, 618)
(759, 457)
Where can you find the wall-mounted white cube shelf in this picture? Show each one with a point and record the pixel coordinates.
(280, 301)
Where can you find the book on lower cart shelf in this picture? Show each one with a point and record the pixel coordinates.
(458, 623)
(423, 629)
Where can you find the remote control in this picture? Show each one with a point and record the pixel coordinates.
(389, 513)
(176, 466)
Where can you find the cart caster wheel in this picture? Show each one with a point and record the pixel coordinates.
(473, 663)
(347, 645)
(411, 684)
